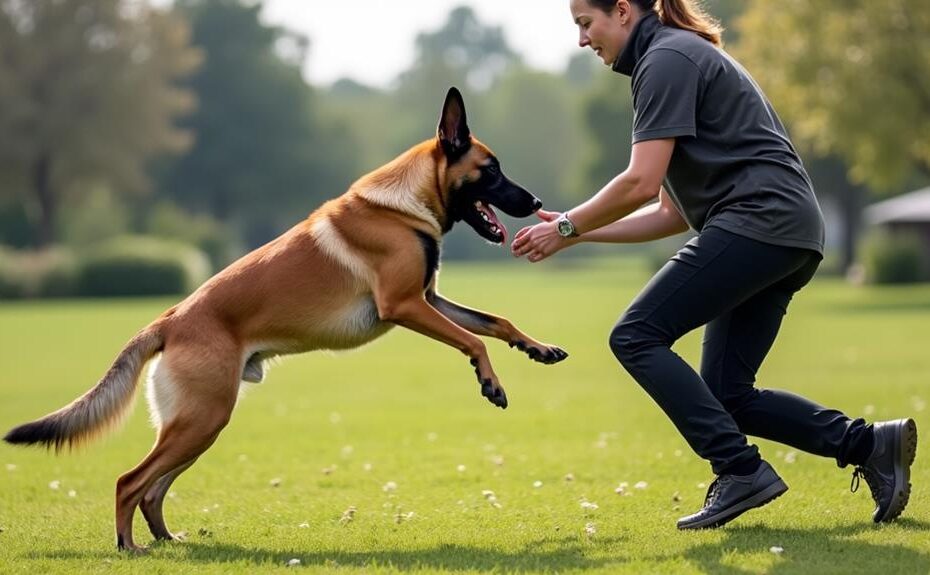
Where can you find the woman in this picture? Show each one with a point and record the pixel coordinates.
(703, 126)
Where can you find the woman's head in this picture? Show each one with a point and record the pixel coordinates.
(606, 25)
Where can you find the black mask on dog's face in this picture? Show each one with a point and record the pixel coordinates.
(483, 184)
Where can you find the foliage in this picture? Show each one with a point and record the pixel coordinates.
(335, 429)
(87, 96)
(47, 273)
(166, 220)
(135, 266)
(263, 156)
(853, 78)
(894, 258)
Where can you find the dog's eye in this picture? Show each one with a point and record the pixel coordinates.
(491, 170)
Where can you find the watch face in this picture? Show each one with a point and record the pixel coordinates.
(565, 228)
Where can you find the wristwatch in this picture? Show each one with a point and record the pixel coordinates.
(565, 227)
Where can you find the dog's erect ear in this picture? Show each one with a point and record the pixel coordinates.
(453, 128)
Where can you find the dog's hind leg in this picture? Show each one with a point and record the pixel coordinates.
(204, 380)
(151, 505)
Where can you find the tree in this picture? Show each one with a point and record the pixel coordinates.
(87, 97)
(264, 156)
(852, 77)
(464, 52)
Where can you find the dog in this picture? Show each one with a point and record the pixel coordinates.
(357, 266)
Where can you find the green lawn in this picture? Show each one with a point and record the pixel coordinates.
(327, 432)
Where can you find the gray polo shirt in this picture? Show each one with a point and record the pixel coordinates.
(733, 166)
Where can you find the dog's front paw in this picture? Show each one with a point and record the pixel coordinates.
(494, 393)
(490, 387)
(542, 353)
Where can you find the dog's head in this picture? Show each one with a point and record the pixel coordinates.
(474, 178)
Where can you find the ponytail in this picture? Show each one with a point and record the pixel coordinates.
(688, 15)
(684, 14)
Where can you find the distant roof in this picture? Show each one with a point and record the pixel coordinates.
(911, 207)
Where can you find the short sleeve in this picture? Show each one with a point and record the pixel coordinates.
(665, 96)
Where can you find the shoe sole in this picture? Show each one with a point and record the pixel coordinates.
(767, 495)
(905, 445)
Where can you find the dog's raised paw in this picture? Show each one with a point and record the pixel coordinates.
(495, 395)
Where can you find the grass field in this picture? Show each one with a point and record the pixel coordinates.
(398, 431)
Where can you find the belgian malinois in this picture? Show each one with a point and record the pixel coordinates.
(354, 268)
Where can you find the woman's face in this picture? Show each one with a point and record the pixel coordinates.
(605, 33)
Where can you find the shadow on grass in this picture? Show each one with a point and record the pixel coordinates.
(542, 556)
(805, 551)
(813, 551)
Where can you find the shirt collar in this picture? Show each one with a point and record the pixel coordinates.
(640, 39)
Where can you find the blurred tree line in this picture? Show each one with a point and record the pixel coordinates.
(194, 122)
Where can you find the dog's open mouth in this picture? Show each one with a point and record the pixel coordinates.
(491, 227)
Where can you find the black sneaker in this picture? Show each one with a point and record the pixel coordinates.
(729, 496)
(888, 469)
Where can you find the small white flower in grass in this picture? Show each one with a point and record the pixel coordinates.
(400, 516)
(496, 505)
(677, 453)
(348, 515)
(497, 460)
(304, 525)
(172, 495)
(588, 505)
(487, 493)
(776, 549)
(460, 468)
(569, 477)
(276, 482)
(621, 489)
(641, 485)
(54, 484)
(791, 457)
(11, 467)
(389, 487)
(590, 529)
(367, 467)
(537, 484)
(293, 563)
(868, 410)
(206, 510)
(72, 493)
(329, 470)
(702, 485)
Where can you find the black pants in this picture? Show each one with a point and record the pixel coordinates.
(740, 288)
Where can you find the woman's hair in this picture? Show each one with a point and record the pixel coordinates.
(684, 14)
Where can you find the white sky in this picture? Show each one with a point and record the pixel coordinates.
(371, 41)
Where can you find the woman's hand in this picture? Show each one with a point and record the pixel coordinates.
(540, 241)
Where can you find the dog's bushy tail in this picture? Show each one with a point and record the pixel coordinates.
(101, 408)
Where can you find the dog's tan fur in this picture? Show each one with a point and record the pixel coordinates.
(344, 276)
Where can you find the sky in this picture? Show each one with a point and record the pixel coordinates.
(371, 41)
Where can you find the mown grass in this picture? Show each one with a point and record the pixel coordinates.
(332, 430)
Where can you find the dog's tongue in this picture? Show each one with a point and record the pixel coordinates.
(488, 211)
